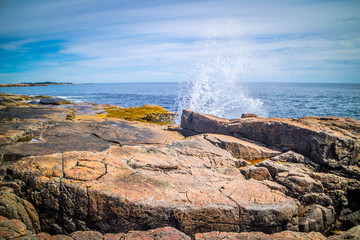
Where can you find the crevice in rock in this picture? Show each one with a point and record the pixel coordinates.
(107, 140)
(88, 200)
(105, 172)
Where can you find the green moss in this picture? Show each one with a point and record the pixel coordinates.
(135, 113)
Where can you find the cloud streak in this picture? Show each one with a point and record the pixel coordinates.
(111, 41)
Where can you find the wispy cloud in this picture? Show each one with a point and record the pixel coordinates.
(88, 40)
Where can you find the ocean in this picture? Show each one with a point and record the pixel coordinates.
(290, 100)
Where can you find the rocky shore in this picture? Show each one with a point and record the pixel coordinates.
(91, 171)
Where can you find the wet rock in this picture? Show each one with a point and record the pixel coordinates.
(17, 132)
(54, 101)
(34, 114)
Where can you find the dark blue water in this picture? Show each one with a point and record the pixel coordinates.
(279, 99)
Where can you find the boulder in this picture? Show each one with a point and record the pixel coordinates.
(12, 229)
(14, 207)
(316, 218)
(257, 173)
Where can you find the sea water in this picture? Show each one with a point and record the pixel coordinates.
(294, 100)
(212, 85)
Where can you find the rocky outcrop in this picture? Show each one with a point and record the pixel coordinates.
(332, 143)
(41, 130)
(101, 177)
(241, 149)
(13, 229)
(14, 207)
(190, 184)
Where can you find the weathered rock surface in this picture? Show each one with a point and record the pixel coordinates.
(40, 130)
(14, 207)
(14, 229)
(351, 234)
(332, 143)
(90, 135)
(191, 184)
(286, 235)
(98, 177)
(10, 229)
(241, 149)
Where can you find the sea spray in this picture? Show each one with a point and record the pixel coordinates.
(213, 86)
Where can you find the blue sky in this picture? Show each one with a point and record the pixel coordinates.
(127, 41)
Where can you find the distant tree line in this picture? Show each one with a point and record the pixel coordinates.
(45, 83)
(30, 84)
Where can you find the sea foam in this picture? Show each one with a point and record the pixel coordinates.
(213, 85)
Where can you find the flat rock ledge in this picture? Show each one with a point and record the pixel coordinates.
(250, 178)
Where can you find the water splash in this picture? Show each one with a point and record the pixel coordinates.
(213, 86)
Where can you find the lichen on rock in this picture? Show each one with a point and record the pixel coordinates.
(146, 113)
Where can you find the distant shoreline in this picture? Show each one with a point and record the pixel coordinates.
(37, 84)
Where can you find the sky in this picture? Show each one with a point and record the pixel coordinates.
(88, 41)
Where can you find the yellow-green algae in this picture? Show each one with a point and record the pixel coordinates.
(136, 113)
(253, 162)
